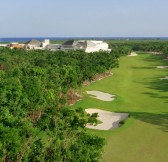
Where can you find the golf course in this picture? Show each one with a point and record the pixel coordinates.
(139, 91)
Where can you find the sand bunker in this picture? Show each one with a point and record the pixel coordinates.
(101, 95)
(133, 54)
(109, 120)
(162, 67)
(166, 77)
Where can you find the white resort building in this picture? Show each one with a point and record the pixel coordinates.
(87, 45)
(36, 44)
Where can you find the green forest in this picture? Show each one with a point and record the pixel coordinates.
(148, 45)
(36, 124)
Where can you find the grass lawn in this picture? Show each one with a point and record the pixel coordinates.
(139, 91)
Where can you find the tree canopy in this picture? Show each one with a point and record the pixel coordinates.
(35, 123)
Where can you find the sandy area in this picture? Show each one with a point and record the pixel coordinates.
(133, 54)
(166, 77)
(101, 95)
(109, 119)
(162, 67)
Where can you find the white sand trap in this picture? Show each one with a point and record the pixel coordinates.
(166, 77)
(133, 54)
(101, 95)
(162, 67)
(109, 119)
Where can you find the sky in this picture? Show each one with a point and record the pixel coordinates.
(83, 18)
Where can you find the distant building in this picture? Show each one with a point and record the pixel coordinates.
(86, 45)
(32, 44)
(15, 45)
(36, 44)
(73, 44)
(95, 46)
(53, 47)
(3, 45)
(45, 43)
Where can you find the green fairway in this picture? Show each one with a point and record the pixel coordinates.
(139, 91)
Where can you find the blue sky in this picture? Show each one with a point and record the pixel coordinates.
(66, 18)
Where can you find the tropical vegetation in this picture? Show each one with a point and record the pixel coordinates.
(35, 123)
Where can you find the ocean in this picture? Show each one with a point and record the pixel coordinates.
(24, 39)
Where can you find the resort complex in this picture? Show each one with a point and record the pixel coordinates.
(85, 45)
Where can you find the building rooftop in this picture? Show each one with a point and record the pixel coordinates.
(34, 42)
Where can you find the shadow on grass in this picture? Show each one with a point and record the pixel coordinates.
(161, 87)
(160, 120)
(155, 58)
(155, 95)
(147, 67)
